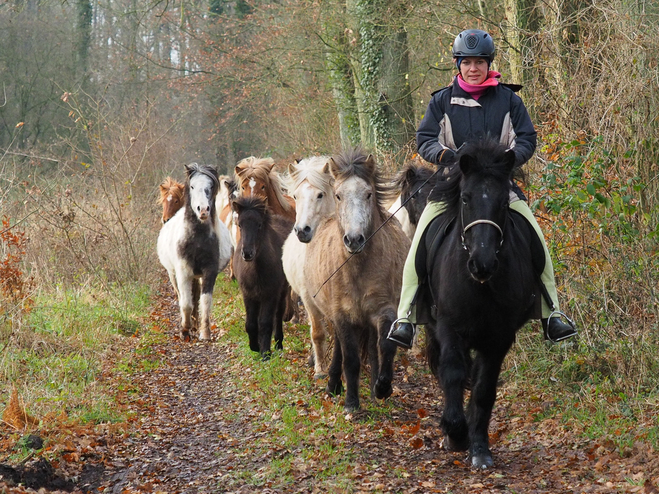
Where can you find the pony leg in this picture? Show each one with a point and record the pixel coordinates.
(387, 352)
(266, 323)
(318, 341)
(186, 305)
(196, 294)
(279, 320)
(252, 323)
(351, 365)
(479, 409)
(452, 374)
(172, 280)
(205, 304)
(334, 385)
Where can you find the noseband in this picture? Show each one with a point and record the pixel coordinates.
(478, 222)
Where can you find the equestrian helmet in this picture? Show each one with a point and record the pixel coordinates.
(474, 43)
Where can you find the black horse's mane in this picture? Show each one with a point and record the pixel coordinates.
(486, 158)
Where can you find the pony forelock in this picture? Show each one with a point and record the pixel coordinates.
(310, 170)
(351, 163)
(262, 169)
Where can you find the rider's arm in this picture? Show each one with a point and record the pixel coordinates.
(525, 134)
(427, 136)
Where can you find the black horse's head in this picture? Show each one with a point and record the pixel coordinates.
(484, 197)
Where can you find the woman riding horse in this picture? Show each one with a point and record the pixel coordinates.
(476, 105)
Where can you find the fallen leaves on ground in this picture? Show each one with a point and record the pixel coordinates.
(193, 430)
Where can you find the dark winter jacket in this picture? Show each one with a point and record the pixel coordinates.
(453, 118)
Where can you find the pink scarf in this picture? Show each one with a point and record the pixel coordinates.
(477, 90)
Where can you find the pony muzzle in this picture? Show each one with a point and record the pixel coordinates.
(304, 234)
(480, 270)
(247, 256)
(354, 243)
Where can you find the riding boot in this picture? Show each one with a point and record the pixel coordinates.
(556, 330)
(402, 333)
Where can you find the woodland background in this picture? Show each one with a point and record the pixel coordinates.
(101, 99)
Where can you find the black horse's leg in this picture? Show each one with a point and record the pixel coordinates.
(453, 377)
(387, 353)
(252, 323)
(479, 410)
(334, 386)
(351, 364)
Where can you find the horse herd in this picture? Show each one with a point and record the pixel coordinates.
(322, 232)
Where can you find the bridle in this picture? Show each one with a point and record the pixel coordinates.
(474, 223)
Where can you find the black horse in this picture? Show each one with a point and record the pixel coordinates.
(484, 288)
(258, 267)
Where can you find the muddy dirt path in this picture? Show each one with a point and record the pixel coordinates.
(194, 430)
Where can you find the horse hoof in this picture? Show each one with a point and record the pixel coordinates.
(453, 445)
(185, 335)
(482, 461)
(319, 375)
(254, 347)
(351, 407)
(205, 335)
(382, 389)
(334, 390)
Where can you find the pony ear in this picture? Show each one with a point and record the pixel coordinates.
(467, 163)
(410, 172)
(370, 163)
(290, 169)
(270, 167)
(330, 167)
(236, 206)
(240, 168)
(188, 170)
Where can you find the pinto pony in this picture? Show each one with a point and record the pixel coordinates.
(172, 198)
(193, 246)
(360, 298)
(484, 287)
(258, 268)
(311, 184)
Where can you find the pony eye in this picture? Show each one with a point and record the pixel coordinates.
(320, 196)
(338, 197)
(370, 194)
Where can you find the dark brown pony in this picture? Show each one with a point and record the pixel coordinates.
(361, 298)
(258, 268)
(257, 177)
(172, 198)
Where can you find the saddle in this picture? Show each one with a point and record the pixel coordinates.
(428, 248)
